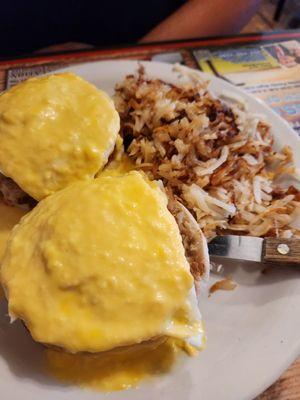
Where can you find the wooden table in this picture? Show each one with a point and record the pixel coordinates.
(287, 387)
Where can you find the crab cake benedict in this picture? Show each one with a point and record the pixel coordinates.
(101, 265)
(54, 130)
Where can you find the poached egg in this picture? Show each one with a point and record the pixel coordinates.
(55, 130)
(101, 265)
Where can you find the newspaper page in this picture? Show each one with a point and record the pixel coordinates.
(270, 72)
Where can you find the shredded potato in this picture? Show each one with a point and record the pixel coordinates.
(224, 284)
(215, 159)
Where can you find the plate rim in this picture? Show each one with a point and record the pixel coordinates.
(264, 383)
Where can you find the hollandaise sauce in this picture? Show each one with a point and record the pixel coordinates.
(106, 261)
(55, 130)
(9, 217)
(120, 163)
(119, 369)
(114, 370)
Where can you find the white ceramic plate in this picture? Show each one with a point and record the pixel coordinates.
(253, 332)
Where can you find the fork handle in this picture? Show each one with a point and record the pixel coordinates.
(282, 251)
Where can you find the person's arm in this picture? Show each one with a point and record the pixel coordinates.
(199, 18)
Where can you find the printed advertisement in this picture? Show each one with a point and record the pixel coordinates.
(270, 72)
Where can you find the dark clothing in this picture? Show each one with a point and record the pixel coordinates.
(26, 26)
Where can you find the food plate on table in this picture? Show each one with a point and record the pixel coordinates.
(252, 331)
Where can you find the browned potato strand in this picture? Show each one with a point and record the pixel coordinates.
(214, 158)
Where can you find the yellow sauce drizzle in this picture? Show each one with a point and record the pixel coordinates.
(9, 217)
(113, 370)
